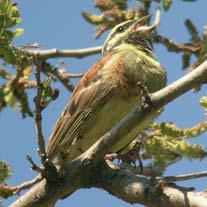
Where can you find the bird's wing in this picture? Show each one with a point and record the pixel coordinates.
(90, 95)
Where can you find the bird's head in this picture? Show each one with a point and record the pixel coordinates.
(133, 32)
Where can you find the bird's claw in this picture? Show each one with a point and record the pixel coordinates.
(146, 103)
(111, 156)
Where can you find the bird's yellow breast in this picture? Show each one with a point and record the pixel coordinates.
(98, 125)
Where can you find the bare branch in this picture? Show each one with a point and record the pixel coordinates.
(184, 177)
(16, 189)
(37, 114)
(27, 83)
(121, 183)
(157, 18)
(57, 53)
(171, 46)
(63, 77)
(72, 75)
(135, 189)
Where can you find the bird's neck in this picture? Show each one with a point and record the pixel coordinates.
(144, 51)
(140, 42)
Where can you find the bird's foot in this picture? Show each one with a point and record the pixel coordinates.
(146, 103)
(131, 157)
(111, 156)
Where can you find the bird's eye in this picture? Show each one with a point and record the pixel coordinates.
(120, 29)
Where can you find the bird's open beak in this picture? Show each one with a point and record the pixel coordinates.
(141, 25)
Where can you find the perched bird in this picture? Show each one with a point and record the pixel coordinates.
(107, 92)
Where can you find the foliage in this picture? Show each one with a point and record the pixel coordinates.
(9, 18)
(11, 92)
(5, 172)
(113, 12)
(203, 102)
(48, 94)
(167, 4)
(167, 142)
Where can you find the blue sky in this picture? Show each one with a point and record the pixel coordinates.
(59, 24)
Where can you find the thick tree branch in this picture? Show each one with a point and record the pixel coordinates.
(81, 173)
(134, 189)
(87, 171)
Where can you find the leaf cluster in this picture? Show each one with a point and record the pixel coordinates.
(5, 173)
(168, 142)
(112, 13)
(9, 19)
(12, 93)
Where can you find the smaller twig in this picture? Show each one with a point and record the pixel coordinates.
(18, 188)
(30, 46)
(183, 177)
(72, 75)
(27, 83)
(172, 162)
(33, 165)
(37, 114)
(63, 77)
(157, 18)
(171, 46)
(48, 171)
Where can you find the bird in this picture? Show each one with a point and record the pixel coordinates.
(107, 92)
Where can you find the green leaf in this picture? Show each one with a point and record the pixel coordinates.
(9, 97)
(5, 171)
(10, 100)
(6, 192)
(167, 4)
(203, 102)
(122, 4)
(47, 93)
(18, 32)
(46, 83)
(27, 72)
(9, 18)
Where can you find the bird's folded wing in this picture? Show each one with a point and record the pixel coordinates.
(89, 96)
